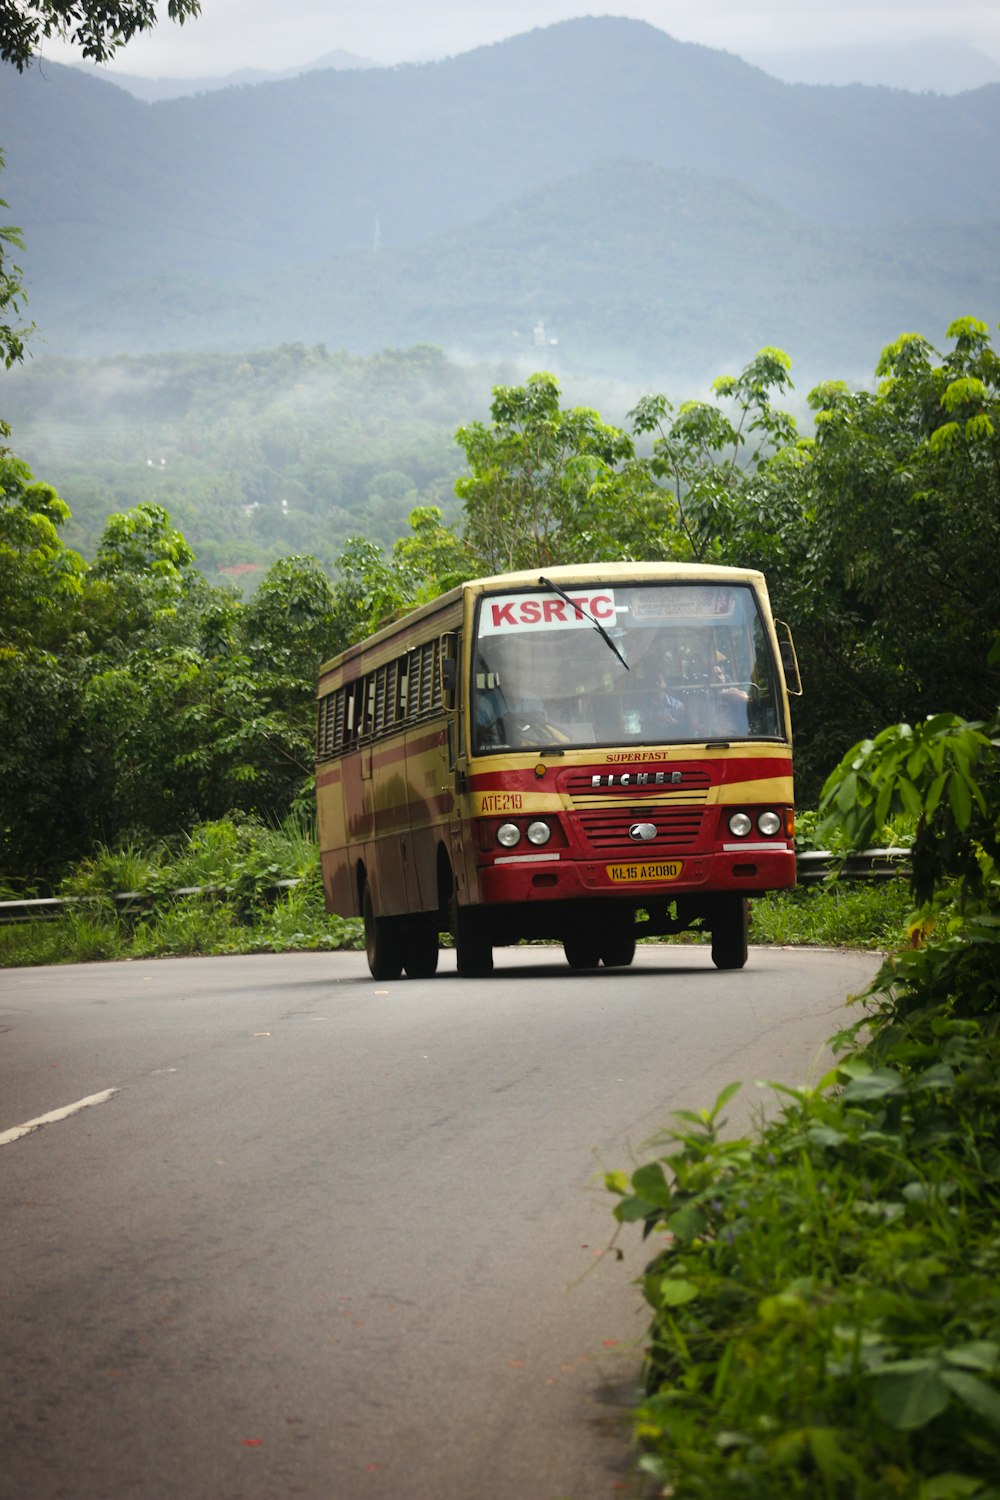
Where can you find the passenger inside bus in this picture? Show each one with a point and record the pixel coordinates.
(500, 723)
(664, 710)
(732, 701)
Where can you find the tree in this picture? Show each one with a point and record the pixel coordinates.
(39, 574)
(878, 535)
(97, 27)
(432, 557)
(136, 699)
(710, 457)
(13, 299)
(535, 468)
(891, 571)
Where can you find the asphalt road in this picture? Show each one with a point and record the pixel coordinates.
(348, 1241)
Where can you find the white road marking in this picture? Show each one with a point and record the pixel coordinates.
(15, 1134)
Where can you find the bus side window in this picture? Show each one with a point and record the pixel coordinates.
(326, 744)
(352, 715)
(368, 706)
(404, 689)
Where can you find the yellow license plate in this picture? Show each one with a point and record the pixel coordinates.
(664, 869)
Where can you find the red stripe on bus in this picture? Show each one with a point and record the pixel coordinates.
(390, 754)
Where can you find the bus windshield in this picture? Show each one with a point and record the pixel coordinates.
(673, 662)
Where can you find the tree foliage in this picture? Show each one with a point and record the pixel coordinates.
(97, 27)
(552, 485)
(13, 300)
(941, 774)
(155, 699)
(135, 697)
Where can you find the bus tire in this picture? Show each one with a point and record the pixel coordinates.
(473, 949)
(581, 950)
(382, 945)
(730, 931)
(420, 953)
(618, 945)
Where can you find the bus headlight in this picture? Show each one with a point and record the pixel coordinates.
(508, 834)
(769, 823)
(539, 833)
(740, 825)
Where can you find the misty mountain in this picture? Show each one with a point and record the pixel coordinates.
(627, 270)
(940, 65)
(151, 90)
(636, 193)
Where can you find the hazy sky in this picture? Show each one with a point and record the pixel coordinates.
(278, 34)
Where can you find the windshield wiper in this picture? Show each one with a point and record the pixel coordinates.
(587, 615)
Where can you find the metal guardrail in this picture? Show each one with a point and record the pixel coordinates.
(813, 866)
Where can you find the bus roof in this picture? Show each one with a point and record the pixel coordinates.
(566, 575)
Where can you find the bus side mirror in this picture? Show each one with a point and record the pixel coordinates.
(789, 661)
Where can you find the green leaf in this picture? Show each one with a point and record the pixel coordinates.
(674, 1291)
(847, 793)
(934, 794)
(825, 1135)
(949, 1487)
(977, 1354)
(878, 1084)
(632, 1210)
(687, 1223)
(974, 1393)
(649, 1183)
(960, 798)
(909, 1398)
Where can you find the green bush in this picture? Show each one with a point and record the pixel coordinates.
(233, 865)
(825, 1317)
(825, 1313)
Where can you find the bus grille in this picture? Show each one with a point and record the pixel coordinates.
(693, 786)
(676, 828)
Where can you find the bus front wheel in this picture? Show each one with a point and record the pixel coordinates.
(382, 945)
(618, 944)
(730, 930)
(473, 948)
(582, 950)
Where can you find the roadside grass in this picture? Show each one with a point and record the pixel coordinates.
(232, 869)
(834, 914)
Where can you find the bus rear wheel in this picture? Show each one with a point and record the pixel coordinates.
(420, 953)
(730, 931)
(382, 941)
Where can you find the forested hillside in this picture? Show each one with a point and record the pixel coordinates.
(255, 455)
(654, 203)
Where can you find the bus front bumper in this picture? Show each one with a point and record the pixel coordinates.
(545, 877)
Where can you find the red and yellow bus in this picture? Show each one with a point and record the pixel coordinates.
(586, 754)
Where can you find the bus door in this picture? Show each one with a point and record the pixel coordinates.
(359, 826)
(386, 791)
(430, 775)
